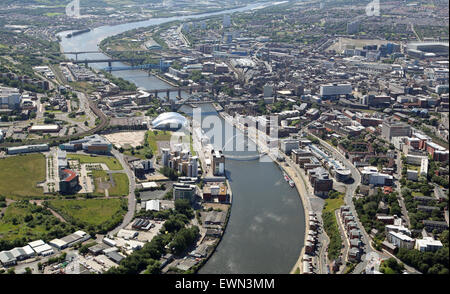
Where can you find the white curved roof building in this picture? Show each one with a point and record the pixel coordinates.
(169, 120)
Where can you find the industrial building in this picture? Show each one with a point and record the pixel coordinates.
(44, 128)
(153, 205)
(70, 240)
(28, 149)
(91, 144)
(215, 191)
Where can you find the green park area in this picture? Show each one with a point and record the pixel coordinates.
(334, 201)
(20, 174)
(111, 162)
(23, 222)
(91, 214)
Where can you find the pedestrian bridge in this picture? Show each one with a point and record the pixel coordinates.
(245, 157)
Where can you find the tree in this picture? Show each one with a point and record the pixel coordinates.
(184, 239)
(184, 207)
(153, 268)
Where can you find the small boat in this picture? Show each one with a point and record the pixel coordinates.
(291, 183)
(286, 177)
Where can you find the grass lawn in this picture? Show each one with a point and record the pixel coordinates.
(121, 185)
(93, 212)
(414, 194)
(20, 174)
(110, 161)
(102, 181)
(332, 204)
(413, 167)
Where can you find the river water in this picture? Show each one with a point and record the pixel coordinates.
(265, 233)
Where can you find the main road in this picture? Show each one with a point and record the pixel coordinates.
(131, 196)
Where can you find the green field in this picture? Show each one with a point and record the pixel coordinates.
(121, 185)
(155, 136)
(111, 162)
(90, 212)
(102, 182)
(151, 144)
(20, 174)
(24, 222)
(332, 204)
(99, 176)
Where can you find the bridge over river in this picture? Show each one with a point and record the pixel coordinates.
(245, 157)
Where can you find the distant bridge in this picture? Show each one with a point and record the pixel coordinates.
(110, 61)
(161, 66)
(76, 53)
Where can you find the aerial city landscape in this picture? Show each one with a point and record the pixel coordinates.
(224, 137)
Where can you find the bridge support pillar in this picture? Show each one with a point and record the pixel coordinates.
(190, 90)
(109, 63)
(168, 94)
(156, 94)
(179, 93)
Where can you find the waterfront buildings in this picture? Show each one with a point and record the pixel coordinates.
(184, 191)
(169, 121)
(218, 162)
(320, 180)
(181, 161)
(287, 145)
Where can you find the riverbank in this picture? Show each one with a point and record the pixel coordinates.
(197, 145)
(299, 184)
